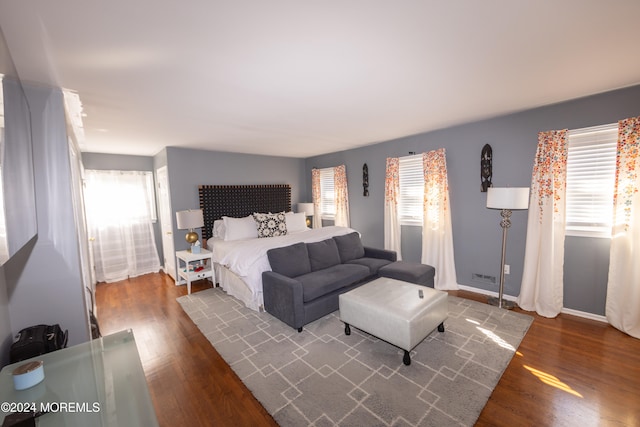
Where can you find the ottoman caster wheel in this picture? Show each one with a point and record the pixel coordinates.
(347, 329)
(441, 327)
(407, 358)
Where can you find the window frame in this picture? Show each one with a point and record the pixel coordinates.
(411, 196)
(327, 194)
(591, 164)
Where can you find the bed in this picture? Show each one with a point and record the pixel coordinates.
(231, 233)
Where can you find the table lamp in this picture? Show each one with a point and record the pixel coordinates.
(188, 220)
(308, 210)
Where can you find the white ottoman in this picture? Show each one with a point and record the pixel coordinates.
(398, 312)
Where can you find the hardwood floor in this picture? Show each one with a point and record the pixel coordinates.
(567, 371)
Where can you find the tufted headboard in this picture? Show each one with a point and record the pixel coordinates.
(239, 201)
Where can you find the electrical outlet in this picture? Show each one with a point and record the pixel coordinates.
(507, 269)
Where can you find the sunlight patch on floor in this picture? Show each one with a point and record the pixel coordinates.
(495, 338)
(492, 335)
(552, 381)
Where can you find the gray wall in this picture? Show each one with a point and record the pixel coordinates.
(476, 231)
(17, 191)
(6, 333)
(190, 168)
(117, 162)
(43, 282)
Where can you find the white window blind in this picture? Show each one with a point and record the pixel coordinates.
(327, 194)
(410, 206)
(591, 166)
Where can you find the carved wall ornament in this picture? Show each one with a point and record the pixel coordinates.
(486, 168)
(365, 180)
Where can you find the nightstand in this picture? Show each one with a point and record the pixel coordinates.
(188, 267)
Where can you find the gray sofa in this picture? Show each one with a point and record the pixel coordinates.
(306, 278)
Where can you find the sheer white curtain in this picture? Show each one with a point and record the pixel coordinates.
(623, 289)
(120, 211)
(542, 278)
(341, 196)
(392, 230)
(437, 231)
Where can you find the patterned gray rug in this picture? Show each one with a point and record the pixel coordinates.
(321, 377)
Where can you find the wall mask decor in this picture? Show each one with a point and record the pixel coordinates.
(486, 168)
(365, 180)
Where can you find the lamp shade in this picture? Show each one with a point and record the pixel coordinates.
(307, 208)
(190, 219)
(508, 198)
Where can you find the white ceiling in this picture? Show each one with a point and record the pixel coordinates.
(301, 78)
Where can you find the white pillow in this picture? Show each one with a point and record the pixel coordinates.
(296, 222)
(240, 228)
(219, 229)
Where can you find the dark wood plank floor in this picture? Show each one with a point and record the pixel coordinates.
(568, 371)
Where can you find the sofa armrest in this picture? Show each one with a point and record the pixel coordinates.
(283, 298)
(380, 253)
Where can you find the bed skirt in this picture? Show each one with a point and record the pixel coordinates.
(233, 285)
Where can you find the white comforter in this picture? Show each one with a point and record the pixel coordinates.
(248, 258)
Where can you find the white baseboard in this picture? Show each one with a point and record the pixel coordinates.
(570, 311)
(485, 292)
(585, 315)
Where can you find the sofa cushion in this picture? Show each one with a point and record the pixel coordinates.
(323, 254)
(412, 272)
(319, 283)
(349, 246)
(374, 264)
(290, 261)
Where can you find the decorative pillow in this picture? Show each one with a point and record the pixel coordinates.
(295, 222)
(271, 224)
(239, 228)
(349, 246)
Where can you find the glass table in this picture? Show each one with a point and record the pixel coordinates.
(97, 383)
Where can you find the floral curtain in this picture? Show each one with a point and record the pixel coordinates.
(391, 195)
(341, 196)
(316, 196)
(623, 290)
(437, 234)
(542, 278)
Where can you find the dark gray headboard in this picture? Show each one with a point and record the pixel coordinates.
(239, 201)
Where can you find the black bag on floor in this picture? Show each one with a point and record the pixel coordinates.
(36, 340)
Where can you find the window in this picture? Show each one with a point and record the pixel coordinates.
(327, 194)
(410, 205)
(120, 208)
(114, 197)
(591, 167)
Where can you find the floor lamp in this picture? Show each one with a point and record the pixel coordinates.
(506, 199)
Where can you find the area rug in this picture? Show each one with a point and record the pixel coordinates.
(322, 377)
